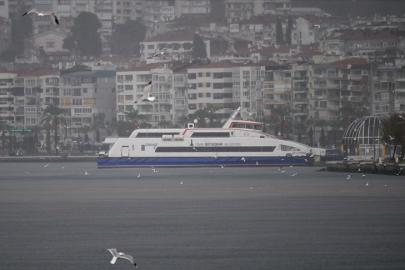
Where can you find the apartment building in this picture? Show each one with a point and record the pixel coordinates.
(381, 43)
(87, 96)
(388, 88)
(178, 45)
(6, 97)
(130, 85)
(212, 84)
(320, 90)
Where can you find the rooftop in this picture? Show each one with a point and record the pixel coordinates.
(172, 36)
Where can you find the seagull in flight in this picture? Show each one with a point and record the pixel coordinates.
(120, 255)
(139, 175)
(163, 53)
(146, 94)
(294, 174)
(391, 137)
(366, 183)
(48, 13)
(348, 177)
(243, 159)
(154, 170)
(364, 175)
(46, 165)
(86, 173)
(181, 182)
(222, 166)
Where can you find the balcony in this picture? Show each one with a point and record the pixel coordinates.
(300, 100)
(300, 112)
(300, 78)
(355, 87)
(300, 89)
(356, 99)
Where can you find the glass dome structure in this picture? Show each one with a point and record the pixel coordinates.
(362, 137)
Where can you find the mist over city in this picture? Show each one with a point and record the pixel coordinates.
(202, 134)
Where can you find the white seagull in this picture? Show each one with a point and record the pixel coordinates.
(139, 175)
(154, 170)
(120, 255)
(86, 173)
(294, 174)
(222, 166)
(364, 175)
(46, 165)
(391, 137)
(181, 182)
(146, 94)
(163, 53)
(348, 177)
(366, 183)
(243, 159)
(48, 13)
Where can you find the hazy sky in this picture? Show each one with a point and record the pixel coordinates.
(355, 7)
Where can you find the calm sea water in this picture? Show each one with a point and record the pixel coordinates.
(232, 218)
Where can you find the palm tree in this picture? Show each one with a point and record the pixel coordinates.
(85, 129)
(349, 113)
(335, 125)
(310, 122)
(133, 115)
(52, 115)
(3, 127)
(206, 114)
(35, 130)
(280, 118)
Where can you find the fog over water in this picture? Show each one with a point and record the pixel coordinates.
(231, 218)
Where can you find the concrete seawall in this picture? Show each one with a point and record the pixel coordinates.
(49, 159)
(366, 167)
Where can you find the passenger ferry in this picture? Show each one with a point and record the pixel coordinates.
(237, 143)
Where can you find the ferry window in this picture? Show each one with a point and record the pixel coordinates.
(238, 126)
(133, 148)
(210, 134)
(258, 127)
(142, 147)
(288, 148)
(250, 126)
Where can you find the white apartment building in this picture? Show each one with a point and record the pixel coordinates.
(7, 98)
(178, 45)
(211, 84)
(237, 10)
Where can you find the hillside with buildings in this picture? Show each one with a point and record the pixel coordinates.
(297, 69)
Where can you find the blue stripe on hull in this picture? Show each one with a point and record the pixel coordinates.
(198, 161)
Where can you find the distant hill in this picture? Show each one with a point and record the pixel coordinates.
(355, 7)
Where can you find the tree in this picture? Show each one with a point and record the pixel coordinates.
(133, 115)
(21, 28)
(126, 37)
(199, 50)
(393, 132)
(52, 116)
(3, 127)
(280, 118)
(349, 113)
(279, 33)
(288, 31)
(207, 114)
(85, 130)
(311, 136)
(84, 38)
